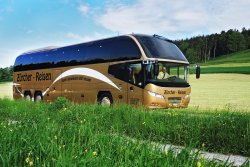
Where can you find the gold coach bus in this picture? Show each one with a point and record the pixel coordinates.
(133, 69)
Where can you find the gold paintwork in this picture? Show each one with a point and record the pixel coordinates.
(86, 89)
(156, 102)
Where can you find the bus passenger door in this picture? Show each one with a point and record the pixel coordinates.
(135, 91)
(55, 89)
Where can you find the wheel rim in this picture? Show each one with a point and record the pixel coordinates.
(105, 101)
(28, 97)
(38, 98)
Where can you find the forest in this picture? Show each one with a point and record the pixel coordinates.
(6, 74)
(199, 49)
(203, 48)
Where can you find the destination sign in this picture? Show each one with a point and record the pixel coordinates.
(171, 92)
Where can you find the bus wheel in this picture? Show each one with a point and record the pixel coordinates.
(27, 96)
(38, 97)
(105, 99)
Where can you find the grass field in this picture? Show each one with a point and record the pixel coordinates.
(234, 63)
(242, 58)
(220, 91)
(63, 134)
(6, 89)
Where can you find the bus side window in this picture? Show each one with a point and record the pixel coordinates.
(119, 71)
(135, 75)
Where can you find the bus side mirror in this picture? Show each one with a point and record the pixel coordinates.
(156, 69)
(198, 71)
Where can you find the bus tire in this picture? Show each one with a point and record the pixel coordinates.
(27, 96)
(38, 97)
(105, 99)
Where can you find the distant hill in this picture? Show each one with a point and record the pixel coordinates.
(238, 62)
(234, 58)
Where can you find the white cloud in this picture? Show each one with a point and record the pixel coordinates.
(235, 14)
(166, 16)
(83, 9)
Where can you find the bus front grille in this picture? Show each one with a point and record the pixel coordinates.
(174, 99)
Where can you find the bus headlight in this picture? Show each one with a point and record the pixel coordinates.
(155, 95)
(187, 97)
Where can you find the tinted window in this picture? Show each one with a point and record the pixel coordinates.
(159, 48)
(135, 74)
(124, 48)
(119, 71)
(97, 52)
(113, 49)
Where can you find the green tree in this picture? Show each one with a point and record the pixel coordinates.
(6, 74)
(236, 42)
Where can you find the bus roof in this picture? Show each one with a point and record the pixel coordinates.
(40, 49)
(118, 48)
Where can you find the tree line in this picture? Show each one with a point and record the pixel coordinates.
(206, 47)
(6, 74)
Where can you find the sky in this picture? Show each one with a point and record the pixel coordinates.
(31, 24)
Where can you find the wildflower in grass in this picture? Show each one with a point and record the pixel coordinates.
(94, 153)
(30, 153)
(27, 160)
(84, 152)
(198, 164)
(31, 163)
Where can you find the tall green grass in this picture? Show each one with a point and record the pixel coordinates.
(233, 63)
(64, 134)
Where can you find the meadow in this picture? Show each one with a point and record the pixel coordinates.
(64, 134)
(218, 91)
(6, 89)
(238, 63)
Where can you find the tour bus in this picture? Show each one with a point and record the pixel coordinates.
(134, 69)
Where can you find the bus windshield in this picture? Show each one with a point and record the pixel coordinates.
(170, 74)
(156, 47)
